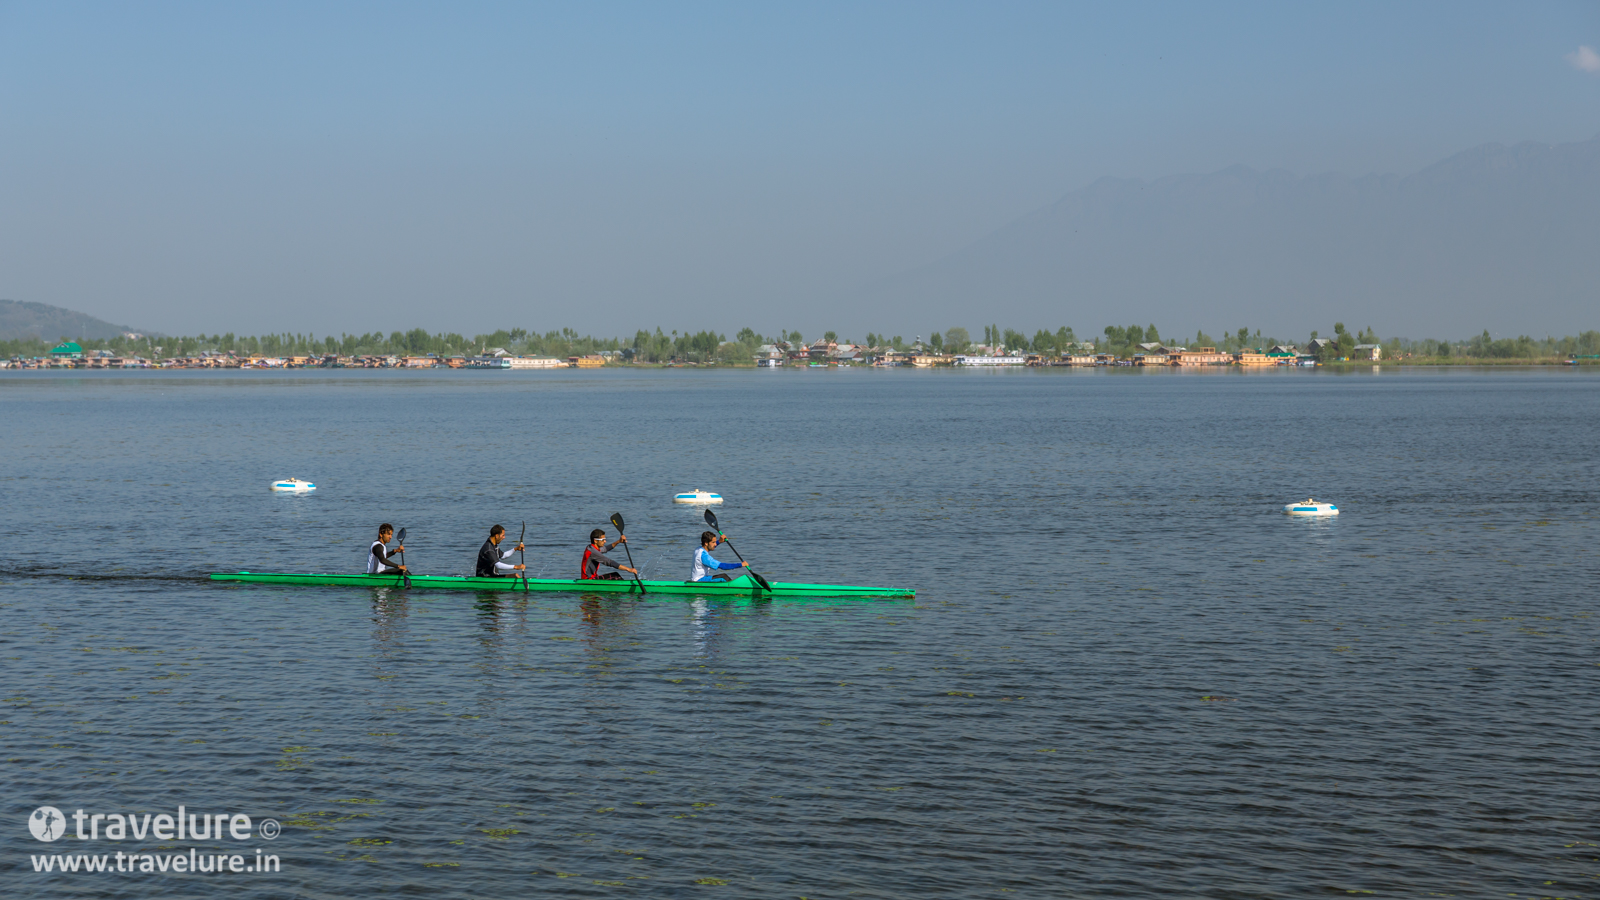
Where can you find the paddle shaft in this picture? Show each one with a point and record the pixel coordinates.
(405, 577)
(759, 580)
(711, 519)
(616, 519)
(522, 556)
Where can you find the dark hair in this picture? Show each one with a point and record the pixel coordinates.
(496, 530)
(385, 527)
(597, 533)
(707, 536)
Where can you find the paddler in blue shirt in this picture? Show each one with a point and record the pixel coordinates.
(708, 567)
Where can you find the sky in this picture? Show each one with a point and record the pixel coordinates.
(333, 167)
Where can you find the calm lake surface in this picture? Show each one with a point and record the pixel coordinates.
(1125, 673)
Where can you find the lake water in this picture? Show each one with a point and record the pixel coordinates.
(1125, 673)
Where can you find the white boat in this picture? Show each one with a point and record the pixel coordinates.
(768, 363)
(293, 485)
(537, 362)
(698, 496)
(1310, 507)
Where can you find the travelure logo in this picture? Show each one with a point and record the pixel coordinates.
(47, 823)
(50, 824)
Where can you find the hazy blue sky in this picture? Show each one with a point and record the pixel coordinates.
(331, 167)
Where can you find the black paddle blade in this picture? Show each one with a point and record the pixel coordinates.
(616, 519)
(401, 537)
(711, 519)
(761, 581)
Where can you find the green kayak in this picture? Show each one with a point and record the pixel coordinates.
(744, 587)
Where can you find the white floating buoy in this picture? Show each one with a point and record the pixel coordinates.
(293, 485)
(698, 496)
(1310, 507)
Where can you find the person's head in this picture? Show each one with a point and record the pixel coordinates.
(496, 533)
(385, 531)
(708, 539)
(597, 536)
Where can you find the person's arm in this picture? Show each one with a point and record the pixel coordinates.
(711, 562)
(505, 566)
(381, 551)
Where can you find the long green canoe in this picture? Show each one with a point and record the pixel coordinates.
(744, 587)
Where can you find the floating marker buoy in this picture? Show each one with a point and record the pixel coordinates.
(1310, 507)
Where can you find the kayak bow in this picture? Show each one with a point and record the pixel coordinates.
(742, 587)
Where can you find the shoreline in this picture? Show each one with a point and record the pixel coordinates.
(9, 367)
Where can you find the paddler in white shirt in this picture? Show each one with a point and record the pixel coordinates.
(378, 561)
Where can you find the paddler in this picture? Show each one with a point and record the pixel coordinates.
(378, 561)
(594, 556)
(490, 556)
(708, 567)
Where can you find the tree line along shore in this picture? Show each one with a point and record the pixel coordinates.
(1132, 344)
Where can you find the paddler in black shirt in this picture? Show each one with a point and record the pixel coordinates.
(490, 556)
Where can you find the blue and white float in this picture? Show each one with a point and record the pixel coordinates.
(1310, 507)
(698, 496)
(293, 485)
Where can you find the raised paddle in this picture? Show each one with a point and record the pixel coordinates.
(712, 521)
(616, 519)
(401, 540)
(523, 555)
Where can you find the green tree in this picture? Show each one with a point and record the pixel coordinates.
(956, 339)
(937, 342)
(830, 336)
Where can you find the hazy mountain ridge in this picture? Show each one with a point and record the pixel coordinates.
(1491, 231)
(22, 319)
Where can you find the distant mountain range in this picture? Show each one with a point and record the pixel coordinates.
(1496, 237)
(19, 320)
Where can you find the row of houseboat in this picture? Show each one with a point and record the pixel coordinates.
(72, 356)
(1180, 356)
